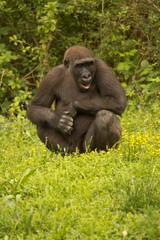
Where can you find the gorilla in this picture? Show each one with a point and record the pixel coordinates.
(87, 98)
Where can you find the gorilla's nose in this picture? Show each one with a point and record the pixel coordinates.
(86, 76)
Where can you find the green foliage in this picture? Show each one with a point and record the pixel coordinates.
(113, 195)
(6, 56)
(35, 34)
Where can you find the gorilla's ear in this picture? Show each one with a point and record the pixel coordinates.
(66, 63)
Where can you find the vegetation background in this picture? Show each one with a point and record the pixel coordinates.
(113, 195)
(35, 34)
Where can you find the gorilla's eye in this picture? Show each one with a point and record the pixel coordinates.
(89, 64)
(79, 65)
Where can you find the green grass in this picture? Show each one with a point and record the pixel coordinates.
(113, 195)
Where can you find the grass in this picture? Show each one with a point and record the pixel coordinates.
(113, 195)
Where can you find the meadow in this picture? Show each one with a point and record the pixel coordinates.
(91, 196)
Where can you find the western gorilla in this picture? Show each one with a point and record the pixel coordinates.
(87, 98)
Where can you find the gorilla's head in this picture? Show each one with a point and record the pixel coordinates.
(81, 64)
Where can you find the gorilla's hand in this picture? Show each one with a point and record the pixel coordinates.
(65, 123)
(72, 111)
(62, 121)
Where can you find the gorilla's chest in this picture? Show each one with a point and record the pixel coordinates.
(70, 94)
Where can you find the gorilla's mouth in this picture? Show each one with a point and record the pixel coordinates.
(86, 83)
(86, 86)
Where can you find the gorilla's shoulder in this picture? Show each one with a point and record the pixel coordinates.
(55, 72)
(57, 69)
(101, 63)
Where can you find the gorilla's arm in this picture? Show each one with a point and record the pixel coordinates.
(40, 113)
(111, 94)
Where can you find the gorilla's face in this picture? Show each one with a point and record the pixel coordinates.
(83, 72)
(80, 63)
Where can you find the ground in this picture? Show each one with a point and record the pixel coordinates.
(113, 195)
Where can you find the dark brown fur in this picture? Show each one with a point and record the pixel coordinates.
(94, 108)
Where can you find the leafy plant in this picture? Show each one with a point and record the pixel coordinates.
(35, 35)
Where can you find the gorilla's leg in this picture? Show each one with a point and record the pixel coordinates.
(104, 132)
(54, 140)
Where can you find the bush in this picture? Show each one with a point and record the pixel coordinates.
(35, 36)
